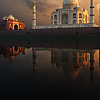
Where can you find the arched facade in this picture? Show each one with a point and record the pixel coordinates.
(55, 17)
(64, 18)
(74, 15)
(80, 15)
(74, 21)
(69, 14)
(80, 21)
(86, 18)
(15, 27)
(12, 24)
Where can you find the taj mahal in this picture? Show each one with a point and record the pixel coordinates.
(69, 16)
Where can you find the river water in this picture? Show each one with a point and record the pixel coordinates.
(40, 72)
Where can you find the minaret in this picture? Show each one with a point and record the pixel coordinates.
(91, 65)
(99, 16)
(91, 12)
(34, 16)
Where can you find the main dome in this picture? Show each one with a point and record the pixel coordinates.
(70, 2)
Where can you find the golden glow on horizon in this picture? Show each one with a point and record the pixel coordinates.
(21, 10)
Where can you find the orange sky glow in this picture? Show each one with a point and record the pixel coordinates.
(22, 10)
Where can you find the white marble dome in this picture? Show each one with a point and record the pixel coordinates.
(70, 2)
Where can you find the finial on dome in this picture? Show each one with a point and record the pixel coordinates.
(34, 2)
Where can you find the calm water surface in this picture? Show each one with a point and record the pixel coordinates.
(49, 73)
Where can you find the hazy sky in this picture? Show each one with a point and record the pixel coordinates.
(21, 9)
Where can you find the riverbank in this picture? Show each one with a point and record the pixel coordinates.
(51, 37)
(54, 31)
(52, 41)
(56, 38)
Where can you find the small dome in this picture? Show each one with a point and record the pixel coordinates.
(16, 19)
(76, 6)
(34, 2)
(10, 17)
(70, 2)
(5, 18)
(57, 8)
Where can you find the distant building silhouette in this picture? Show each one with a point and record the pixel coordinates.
(10, 23)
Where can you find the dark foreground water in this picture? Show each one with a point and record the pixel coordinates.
(34, 73)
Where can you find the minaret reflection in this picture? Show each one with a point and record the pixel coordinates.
(34, 60)
(92, 65)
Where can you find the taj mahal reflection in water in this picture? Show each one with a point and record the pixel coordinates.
(72, 60)
(69, 61)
